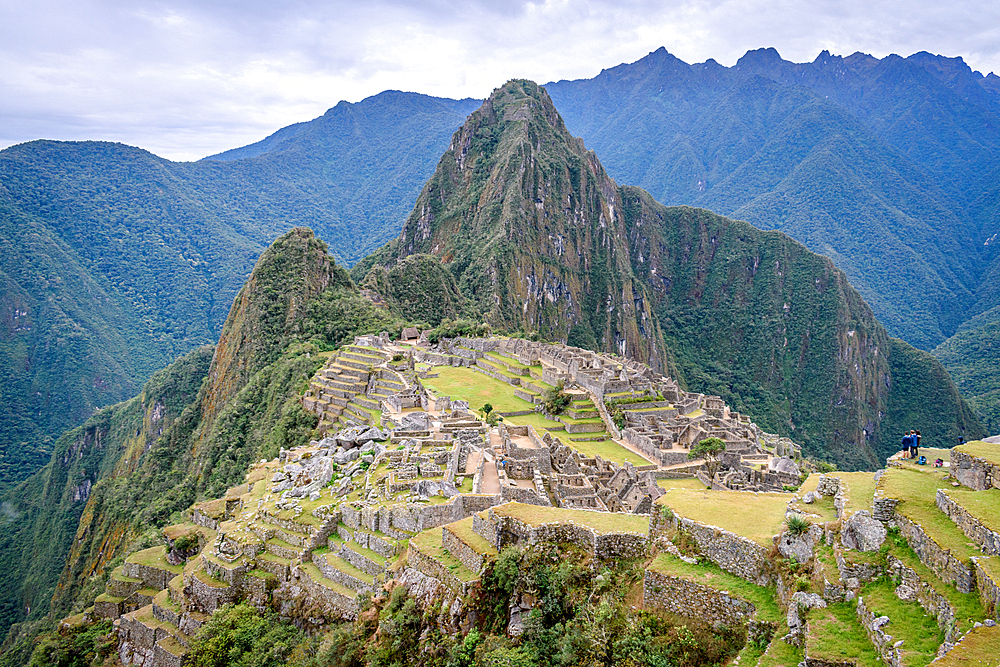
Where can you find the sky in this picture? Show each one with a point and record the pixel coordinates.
(189, 78)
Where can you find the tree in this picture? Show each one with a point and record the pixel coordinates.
(711, 450)
(556, 399)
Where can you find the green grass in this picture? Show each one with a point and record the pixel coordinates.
(154, 557)
(476, 388)
(609, 450)
(692, 483)
(534, 419)
(317, 576)
(499, 358)
(601, 522)
(984, 450)
(983, 505)
(710, 574)
(909, 622)
(835, 634)
(968, 607)
(429, 542)
(860, 489)
(978, 648)
(463, 530)
(756, 516)
(916, 489)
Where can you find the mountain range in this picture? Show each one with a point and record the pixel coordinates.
(116, 261)
(521, 226)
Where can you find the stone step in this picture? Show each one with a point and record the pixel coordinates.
(374, 354)
(151, 566)
(357, 414)
(176, 589)
(338, 570)
(382, 544)
(276, 565)
(366, 402)
(364, 559)
(206, 593)
(165, 609)
(336, 595)
(120, 585)
(283, 549)
(109, 606)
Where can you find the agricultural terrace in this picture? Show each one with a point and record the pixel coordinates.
(478, 389)
(916, 489)
(756, 516)
(984, 450)
(602, 523)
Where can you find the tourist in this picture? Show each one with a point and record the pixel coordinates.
(914, 444)
(907, 439)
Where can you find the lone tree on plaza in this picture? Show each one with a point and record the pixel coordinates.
(711, 450)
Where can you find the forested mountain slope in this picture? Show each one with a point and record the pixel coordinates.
(540, 238)
(191, 433)
(115, 261)
(878, 164)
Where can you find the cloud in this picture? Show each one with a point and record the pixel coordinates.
(185, 79)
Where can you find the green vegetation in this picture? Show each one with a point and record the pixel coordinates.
(797, 525)
(296, 304)
(709, 449)
(973, 360)
(556, 400)
(601, 522)
(756, 516)
(80, 646)
(835, 634)
(984, 450)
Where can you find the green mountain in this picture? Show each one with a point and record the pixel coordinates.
(878, 164)
(972, 358)
(189, 434)
(115, 261)
(541, 239)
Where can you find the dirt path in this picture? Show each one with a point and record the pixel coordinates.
(491, 481)
(472, 463)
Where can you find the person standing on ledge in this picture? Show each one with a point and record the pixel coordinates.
(914, 443)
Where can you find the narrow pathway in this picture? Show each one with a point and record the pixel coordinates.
(491, 481)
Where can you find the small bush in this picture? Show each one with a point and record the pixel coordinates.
(797, 525)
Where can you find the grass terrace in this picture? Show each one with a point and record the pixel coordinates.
(756, 516)
(154, 557)
(984, 450)
(860, 489)
(691, 483)
(463, 530)
(429, 542)
(710, 574)
(916, 490)
(602, 522)
(978, 648)
(476, 388)
(834, 634)
(609, 450)
(909, 622)
(983, 505)
(968, 606)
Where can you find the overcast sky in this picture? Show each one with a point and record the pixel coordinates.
(188, 78)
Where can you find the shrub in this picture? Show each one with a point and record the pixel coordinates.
(556, 399)
(797, 525)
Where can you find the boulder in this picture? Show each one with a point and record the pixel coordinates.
(800, 546)
(809, 498)
(371, 434)
(784, 465)
(415, 421)
(862, 532)
(342, 458)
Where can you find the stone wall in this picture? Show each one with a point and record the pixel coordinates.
(989, 588)
(973, 528)
(432, 567)
(470, 558)
(733, 553)
(947, 567)
(974, 472)
(336, 605)
(933, 602)
(691, 600)
(501, 531)
(882, 641)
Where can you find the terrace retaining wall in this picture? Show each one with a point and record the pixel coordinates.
(947, 567)
(933, 602)
(973, 528)
(973, 471)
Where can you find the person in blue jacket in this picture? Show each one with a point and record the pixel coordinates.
(906, 444)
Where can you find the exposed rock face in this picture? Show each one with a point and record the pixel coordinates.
(862, 532)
